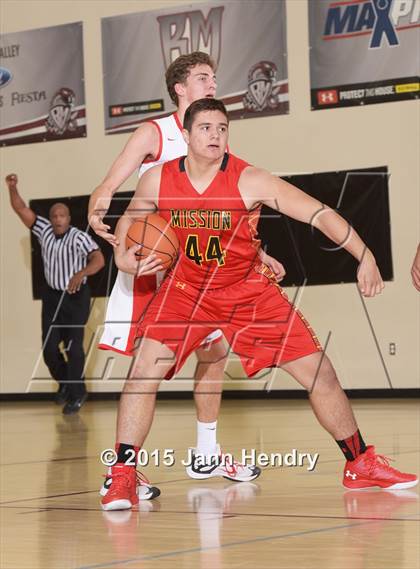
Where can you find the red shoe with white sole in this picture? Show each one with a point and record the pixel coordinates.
(124, 486)
(370, 469)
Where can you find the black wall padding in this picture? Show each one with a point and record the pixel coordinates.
(362, 196)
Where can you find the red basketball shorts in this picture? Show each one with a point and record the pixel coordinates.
(260, 324)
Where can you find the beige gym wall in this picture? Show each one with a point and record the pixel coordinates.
(303, 141)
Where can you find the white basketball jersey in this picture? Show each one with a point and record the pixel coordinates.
(121, 313)
(171, 143)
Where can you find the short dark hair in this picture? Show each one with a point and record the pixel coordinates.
(180, 69)
(59, 204)
(206, 104)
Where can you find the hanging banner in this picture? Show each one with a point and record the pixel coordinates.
(42, 93)
(247, 40)
(363, 52)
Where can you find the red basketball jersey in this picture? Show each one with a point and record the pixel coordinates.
(217, 233)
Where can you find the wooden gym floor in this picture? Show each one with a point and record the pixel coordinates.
(287, 518)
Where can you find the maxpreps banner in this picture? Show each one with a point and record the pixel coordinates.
(247, 40)
(42, 95)
(364, 51)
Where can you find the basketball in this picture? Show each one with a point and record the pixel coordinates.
(155, 236)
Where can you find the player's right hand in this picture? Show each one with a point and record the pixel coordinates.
(129, 263)
(101, 229)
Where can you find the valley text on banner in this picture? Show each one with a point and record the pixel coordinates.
(364, 52)
(42, 93)
(247, 40)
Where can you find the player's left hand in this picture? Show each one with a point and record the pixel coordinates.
(272, 263)
(100, 228)
(75, 282)
(369, 278)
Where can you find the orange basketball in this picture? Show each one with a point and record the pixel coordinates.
(156, 236)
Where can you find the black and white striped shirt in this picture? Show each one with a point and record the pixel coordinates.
(62, 255)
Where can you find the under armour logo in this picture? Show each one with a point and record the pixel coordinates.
(327, 97)
(351, 475)
(180, 285)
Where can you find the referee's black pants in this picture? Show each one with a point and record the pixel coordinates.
(64, 317)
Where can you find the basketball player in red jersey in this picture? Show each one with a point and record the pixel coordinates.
(207, 198)
(188, 78)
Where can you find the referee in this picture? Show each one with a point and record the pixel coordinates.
(69, 257)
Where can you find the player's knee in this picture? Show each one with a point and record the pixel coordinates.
(326, 378)
(141, 382)
(215, 370)
(212, 371)
(144, 370)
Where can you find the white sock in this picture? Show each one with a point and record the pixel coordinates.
(206, 438)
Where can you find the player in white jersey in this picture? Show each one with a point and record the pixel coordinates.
(188, 78)
(130, 296)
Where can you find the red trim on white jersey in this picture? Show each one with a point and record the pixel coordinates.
(178, 122)
(106, 347)
(159, 152)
